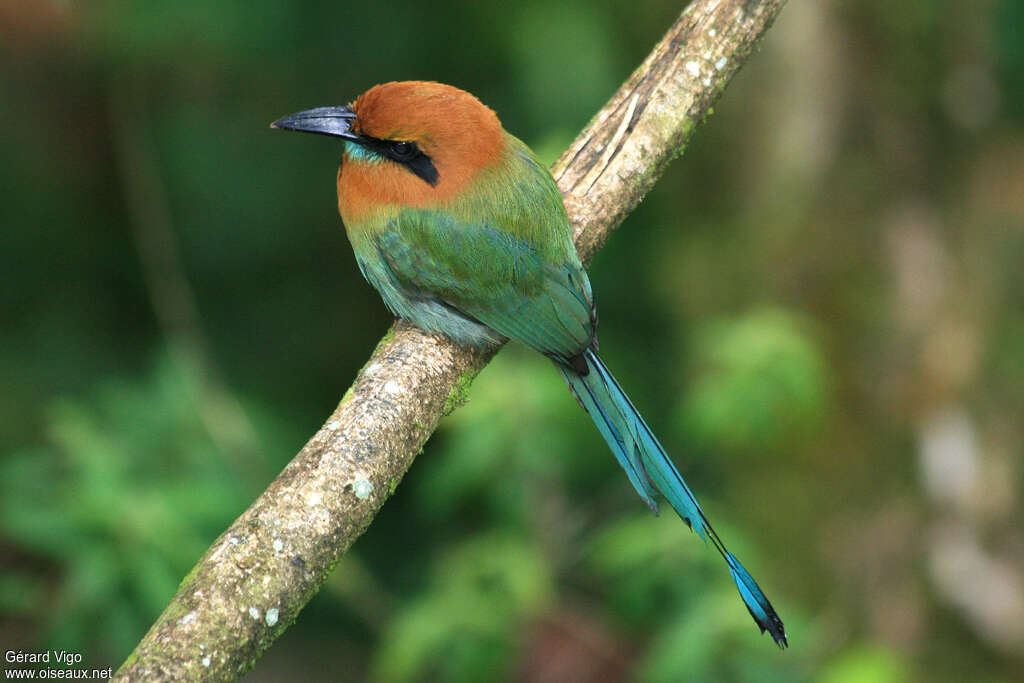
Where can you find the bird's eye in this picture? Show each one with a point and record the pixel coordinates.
(403, 150)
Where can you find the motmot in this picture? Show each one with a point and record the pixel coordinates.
(462, 231)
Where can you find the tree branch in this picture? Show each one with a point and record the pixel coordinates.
(253, 581)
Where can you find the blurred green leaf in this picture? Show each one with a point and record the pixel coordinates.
(711, 640)
(488, 453)
(462, 627)
(866, 664)
(124, 499)
(19, 593)
(760, 383)
(647, 564)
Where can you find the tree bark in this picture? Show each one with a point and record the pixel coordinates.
(253, 581)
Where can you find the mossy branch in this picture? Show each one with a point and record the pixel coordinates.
(253, 581)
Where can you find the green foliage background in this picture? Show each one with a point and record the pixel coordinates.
(820, 309)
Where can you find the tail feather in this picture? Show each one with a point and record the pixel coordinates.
(650, 470)
(608, 426)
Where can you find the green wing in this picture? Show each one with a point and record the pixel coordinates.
(489, 274)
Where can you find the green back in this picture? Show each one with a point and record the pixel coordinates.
(500, 255)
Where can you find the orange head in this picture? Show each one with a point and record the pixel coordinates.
(409, 143)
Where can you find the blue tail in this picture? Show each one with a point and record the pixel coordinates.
(651, 471)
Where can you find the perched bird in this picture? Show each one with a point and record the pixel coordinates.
(463, 232)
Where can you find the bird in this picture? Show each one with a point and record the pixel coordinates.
(463, 232)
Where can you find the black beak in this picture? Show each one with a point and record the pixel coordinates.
(334, 121)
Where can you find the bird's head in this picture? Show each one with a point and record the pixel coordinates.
(409, 143)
